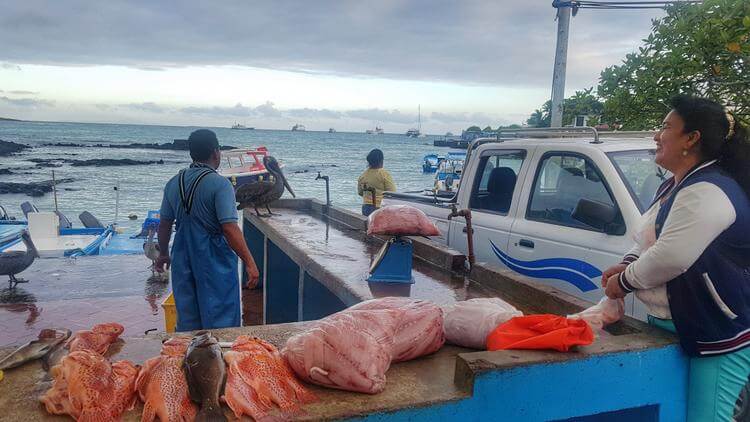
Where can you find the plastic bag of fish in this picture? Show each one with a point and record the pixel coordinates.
(607, 311)
(468, 323)
(352, 349)
(401, 220)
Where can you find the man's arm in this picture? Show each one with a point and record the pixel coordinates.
(164, 233)
(237, 242)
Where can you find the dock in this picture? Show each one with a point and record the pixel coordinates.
(314, 261)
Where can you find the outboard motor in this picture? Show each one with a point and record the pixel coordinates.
(64, 221)
(89, 221)
(28, 207)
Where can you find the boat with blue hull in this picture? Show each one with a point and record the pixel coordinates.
(431, 162)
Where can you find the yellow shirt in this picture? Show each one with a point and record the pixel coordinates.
(379, 179)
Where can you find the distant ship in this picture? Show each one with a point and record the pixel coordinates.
(331, 130)
(378, 130)
(298, 128)
(238, 126)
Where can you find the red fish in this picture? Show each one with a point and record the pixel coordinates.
(162, 386)
(98, 339)
(259, 379)
(89, 388)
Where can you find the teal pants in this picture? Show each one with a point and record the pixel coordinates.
(715, 382)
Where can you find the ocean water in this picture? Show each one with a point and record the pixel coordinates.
(339, 155)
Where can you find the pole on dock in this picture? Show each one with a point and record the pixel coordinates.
(54, 189)
(117, 200)
(561, 59)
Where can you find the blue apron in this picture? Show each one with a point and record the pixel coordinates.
(204, 271)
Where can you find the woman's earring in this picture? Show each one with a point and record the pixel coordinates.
(684, 153)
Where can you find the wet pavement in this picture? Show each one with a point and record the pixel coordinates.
(78, 293)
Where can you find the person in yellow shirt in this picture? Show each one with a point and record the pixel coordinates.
(373, 182)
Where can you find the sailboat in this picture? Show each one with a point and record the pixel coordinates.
(416, 133)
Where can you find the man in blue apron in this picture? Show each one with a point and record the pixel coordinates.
(207, 242)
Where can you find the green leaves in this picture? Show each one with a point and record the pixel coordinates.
(695, 49)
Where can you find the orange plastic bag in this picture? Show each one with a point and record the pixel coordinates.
(540, 332)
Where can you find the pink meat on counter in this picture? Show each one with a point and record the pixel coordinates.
(401, 220)
(350, 350)
(420, 331)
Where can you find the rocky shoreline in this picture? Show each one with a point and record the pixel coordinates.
(176, 145)
(8, 148)
(35, 189)
(96, 162)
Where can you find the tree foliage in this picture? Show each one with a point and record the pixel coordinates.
(696, 49)
(581, 103)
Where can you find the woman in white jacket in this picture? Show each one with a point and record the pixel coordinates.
(691, 262)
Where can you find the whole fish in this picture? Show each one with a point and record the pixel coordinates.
(206, 374)
(48, 339)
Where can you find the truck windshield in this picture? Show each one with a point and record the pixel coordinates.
(641, 174)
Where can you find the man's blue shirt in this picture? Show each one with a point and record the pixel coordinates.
(213, 205)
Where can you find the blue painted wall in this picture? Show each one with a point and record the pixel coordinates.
(632, 383)
(255, 242)
(282, 287)
(318, 302)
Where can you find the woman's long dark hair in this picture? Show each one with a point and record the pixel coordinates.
(710, 119)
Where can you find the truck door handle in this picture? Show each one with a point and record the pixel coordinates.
(526, 243)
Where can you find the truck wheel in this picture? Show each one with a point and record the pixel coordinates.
(742, 408)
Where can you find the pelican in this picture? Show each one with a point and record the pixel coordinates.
(151, 250)
(263, 192)
(14, 262)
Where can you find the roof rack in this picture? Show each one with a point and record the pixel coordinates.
(548, 132)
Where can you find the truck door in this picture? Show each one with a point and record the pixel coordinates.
(547, 243)
(492, 201)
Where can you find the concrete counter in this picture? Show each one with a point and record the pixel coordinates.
(314, 264)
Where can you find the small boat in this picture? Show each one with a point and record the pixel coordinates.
(448, 174)
(52, 239)
(237, 126)
(331, 130)
(431, 162)
(242, 166)
(298, 128)
(416, 132)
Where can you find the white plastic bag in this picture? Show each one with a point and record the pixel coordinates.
(606, 312)
(468, 323)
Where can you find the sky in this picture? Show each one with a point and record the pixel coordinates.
(350, 65)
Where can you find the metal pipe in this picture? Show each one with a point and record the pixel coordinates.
(328, 192)
(466, 214)
(54, 188)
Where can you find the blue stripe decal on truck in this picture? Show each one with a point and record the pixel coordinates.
(573, 271)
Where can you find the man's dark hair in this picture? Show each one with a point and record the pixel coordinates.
(375, 159)
(202, 143)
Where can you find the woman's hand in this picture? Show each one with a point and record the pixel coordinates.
(613, 289)
(613, 270)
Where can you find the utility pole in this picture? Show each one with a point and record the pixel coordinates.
(561, 59)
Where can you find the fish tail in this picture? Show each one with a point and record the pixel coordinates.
(210, 412)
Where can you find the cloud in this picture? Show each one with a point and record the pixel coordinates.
(498, 42)
(147, 107)
(26, 102)
(20, 92)
(237, 111)
(382, 116)
(460, 117)
(9, 66)
(313, 113)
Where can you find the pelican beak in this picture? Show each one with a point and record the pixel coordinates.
(286, 185)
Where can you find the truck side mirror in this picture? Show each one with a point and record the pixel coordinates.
(603, 217)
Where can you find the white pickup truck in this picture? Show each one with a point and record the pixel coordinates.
(559, 210)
